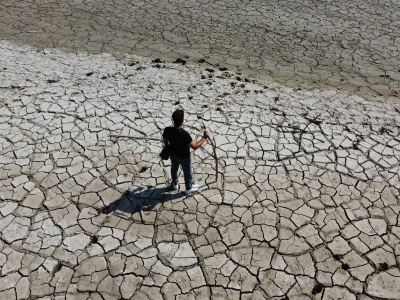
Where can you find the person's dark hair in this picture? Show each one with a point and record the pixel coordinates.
(177, 117)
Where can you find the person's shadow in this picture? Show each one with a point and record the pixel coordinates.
(143, 199)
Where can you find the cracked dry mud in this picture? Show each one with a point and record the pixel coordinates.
(347, 45)
(306, 205)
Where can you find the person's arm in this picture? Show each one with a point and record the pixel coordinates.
(165, 141)
(196, 145)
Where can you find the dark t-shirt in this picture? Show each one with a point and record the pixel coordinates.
(179, 140)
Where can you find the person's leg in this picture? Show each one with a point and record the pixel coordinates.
(187, 172)
(174, 169)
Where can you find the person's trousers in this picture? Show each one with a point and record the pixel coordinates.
(186, 164)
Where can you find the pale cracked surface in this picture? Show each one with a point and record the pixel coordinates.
(306, 205)
(348, 45)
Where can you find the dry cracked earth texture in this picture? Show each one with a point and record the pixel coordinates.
(347, 45)
(305, 203)
(301, 183)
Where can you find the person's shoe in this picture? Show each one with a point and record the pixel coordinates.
(173, 187)
(194, 188)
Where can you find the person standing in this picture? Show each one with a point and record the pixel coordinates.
(181, 142)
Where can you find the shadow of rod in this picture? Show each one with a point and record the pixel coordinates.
(135, 137)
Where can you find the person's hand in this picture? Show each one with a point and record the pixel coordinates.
(206, 134)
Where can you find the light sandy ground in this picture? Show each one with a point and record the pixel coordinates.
(306, 205)
(339, 45)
